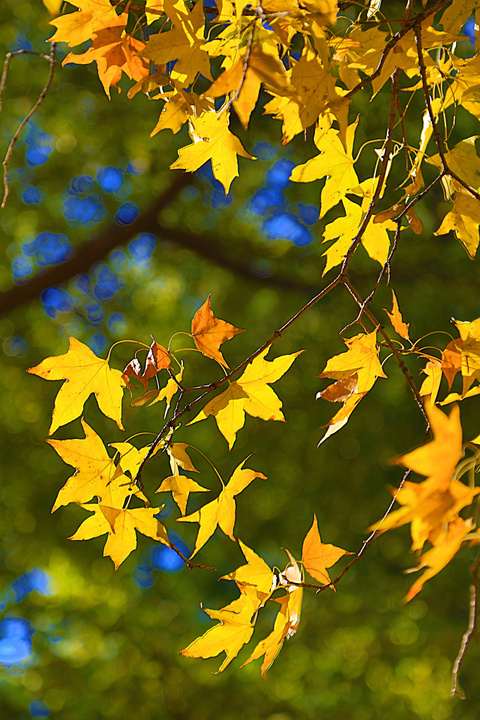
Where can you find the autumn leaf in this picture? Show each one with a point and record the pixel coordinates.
(286, 624)
(184, 43)
(317, 556)
(233, 631)
(375, 239)
(431, 384)
(221, 511)
(113, 49)
(209, 332)
(180, 485)
(463, 219)
(396, 319)
(78, 27)
(249, 394)
(94, 468)
(84, 373)
(451, 361)
(212, 140)
(355, 372)
(333, 161)
(439, 457)
(121, 526)
(262, 67)
(166, 393)
(446, 545)
(256, 575)
(158, 358)
(429, 506)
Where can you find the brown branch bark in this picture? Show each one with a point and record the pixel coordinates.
(99, 247)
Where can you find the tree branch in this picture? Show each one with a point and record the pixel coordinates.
(28, 116)
(100, 246)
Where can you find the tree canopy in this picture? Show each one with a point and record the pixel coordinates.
(233, 214)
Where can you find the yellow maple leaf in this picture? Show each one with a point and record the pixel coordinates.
(439, 457)
(446, 545)
(464, 161)
(334, 161)
(183, 43)
(318, 556)
(431, 384)
(212, 140)
(180, 486)
(121, 526)
(463, 219)
(233, 631)
(355, 372)
(256, 575)
(221, 511)
(209, 332)
(249, 394)
(285, 626)
(94, 468)
(78, 27)
(84, 373)
(430, 505)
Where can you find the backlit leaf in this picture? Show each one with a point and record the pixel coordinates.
(84, 373)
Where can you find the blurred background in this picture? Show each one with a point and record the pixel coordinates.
(101, 241)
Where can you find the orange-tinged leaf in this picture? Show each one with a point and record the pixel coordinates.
(396, 319)
(249, 394)
(452, 361)
(115, 51)
(165, 393)
(286, 624)
(122, 539)
(221, 511)
(212, 140)
(317, 556)
(233, 631)
(446, 545)
(85, 373)
(355, 372)
(158, 358)
(180, 486)
(431, 384)
(210, 332)
(428, 507)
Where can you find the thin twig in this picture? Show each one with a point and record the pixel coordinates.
(469, 632)
(395, 40)
(25, 120)
(372, 535)
(381, 177)
(435, 131)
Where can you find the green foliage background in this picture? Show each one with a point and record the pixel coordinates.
(359, 654)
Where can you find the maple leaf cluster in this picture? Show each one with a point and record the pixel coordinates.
(204, 66)
(257, 583)
(293, 58)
